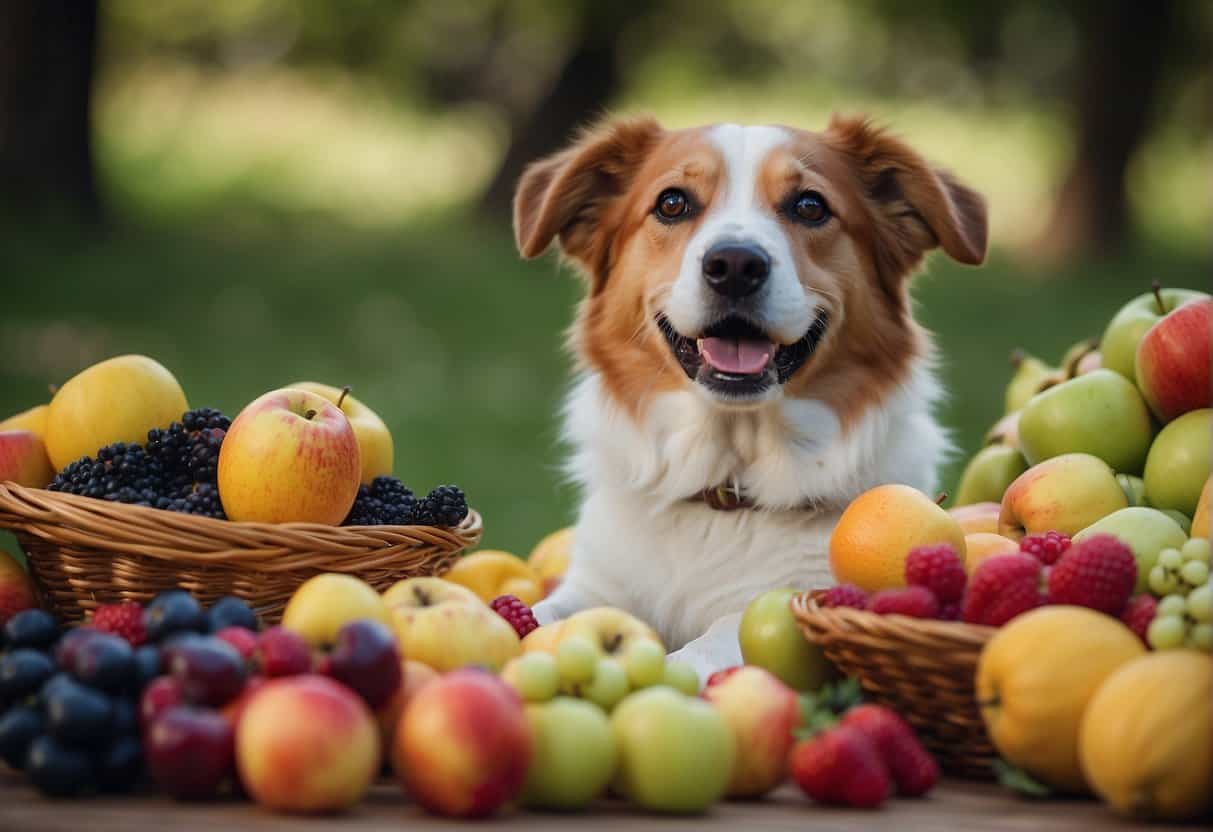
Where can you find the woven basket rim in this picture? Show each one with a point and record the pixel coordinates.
(806, 606)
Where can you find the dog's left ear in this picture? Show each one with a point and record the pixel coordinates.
(914, 206)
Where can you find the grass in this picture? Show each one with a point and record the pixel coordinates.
(453, 340)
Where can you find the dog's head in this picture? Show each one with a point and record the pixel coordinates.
(746, 262)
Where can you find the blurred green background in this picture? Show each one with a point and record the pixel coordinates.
(259, 191)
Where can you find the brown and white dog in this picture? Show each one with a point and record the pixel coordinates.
(748, 358)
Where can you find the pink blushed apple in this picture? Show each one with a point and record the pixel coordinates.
(290, 456)
(23, 459)
(1173, 361)
(1066, 493)
(463, 746)
(761, 711)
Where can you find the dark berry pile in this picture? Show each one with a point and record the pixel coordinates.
(176, 470)
(387, 502)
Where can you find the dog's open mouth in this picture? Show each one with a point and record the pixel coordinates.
(735, 357)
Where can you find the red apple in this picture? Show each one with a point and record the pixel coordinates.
(17, 591)
(306, 744)
(1173, 361)
(761, 711)
(189, 752)
(290, 456)
(463, 746)
(23, 459)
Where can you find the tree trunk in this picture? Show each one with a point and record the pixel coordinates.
(1121, 51)
(587, 81)
(46, 70)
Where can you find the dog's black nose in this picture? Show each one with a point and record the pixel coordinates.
(736, 269)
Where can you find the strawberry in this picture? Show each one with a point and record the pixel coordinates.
(1098, 573)
(840, 765)
(914, 770)
(845, 595)
(1001, 588)
(913, 601)
(938, 568)
(1138, 614)
(1047, 547)
(125, 619)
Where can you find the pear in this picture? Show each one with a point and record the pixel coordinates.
(1030, 373)
(1134, 488)
(1075, 354)
(988, 474)
(1005, 431)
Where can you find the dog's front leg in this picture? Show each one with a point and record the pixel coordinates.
(716, 649)
(569, 597)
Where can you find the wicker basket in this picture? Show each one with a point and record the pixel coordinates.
(84, 552)
(925, 670)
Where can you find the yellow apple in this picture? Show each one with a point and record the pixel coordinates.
(550, 557)
(33, 420)
(324, 604)
(118, 400)
(611, 630)
(977, 517)
(23, 459)
(289, 457)
(1066, 493)
(490, 573)
(424, 592)
(374, 439)
(446, 626)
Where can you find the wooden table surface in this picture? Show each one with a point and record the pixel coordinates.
(954, 805)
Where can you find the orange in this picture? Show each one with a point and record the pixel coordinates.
(984, 545)
(880, 527)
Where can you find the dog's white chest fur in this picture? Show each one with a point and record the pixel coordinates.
(680, 565)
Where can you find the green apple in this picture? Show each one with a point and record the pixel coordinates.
(1178, 464)
(1147, 531)
(1099, 413)
(771, 639)
(676, 752)
(1134, 488)
(1030, 374)
(1118, 346)
(988, 474)
(574, 754)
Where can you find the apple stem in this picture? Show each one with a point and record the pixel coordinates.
(52, 388)
(345, 391)
(311, 414)
(943, 495)
(1156, 288)
(1017, 357)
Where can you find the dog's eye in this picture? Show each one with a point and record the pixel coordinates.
(672, 204)
(811, 207)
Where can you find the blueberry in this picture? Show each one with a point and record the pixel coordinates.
(173, 612)
(19, 726)
(230, 611)
(79, 715)
(56, 769)
(119, 764)
(22, 672)
(147, 665)
(51, 684)
(105, 662)
(31, 628)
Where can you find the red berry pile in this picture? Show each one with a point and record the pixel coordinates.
(518, 614)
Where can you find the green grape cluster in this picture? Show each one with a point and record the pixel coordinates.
(580, 669)
(1184, 617)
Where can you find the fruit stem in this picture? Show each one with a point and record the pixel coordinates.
(943, 495)
(1017, 357)
(1156, 288)
(52, 388)
(310, 415)
(345, 391)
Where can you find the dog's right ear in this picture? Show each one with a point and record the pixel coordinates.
(566, 195)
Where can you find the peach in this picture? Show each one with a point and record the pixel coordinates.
(23, 459)
(761, 711)
(306, 744)
(982, 545)
(1066, 493)
(463, 746)
(490, 573)
(415, 676)
(977, 517)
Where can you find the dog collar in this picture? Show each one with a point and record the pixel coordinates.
(729, 497)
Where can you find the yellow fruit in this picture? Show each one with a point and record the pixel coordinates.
(33, 420)
(118, 400)
(426, 591)
(610, 629)
(374, 439)
(977, 517)
(1200, 520)
(543, 639)
(491, 573)
(324, 604)
(880, 527)
(550, 557)
(1035, 678)
(984, 545)
(1146, 741)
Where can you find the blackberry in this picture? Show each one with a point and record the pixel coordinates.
(202, 500)
(169, 445)
(205, 418)
(203, 459)
(385, 502)
(444, 506)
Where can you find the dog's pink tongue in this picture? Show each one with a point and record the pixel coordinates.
(730, 355)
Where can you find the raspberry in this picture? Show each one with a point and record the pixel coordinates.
(845, 595)
(125, 619)
(949, 611)
(1046, 548)
(841, 765)
(1138, 614)
(938, 568)
(914, 601)
(517, 613)
(1098, 573)
(1001, 588)
(914, 770)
